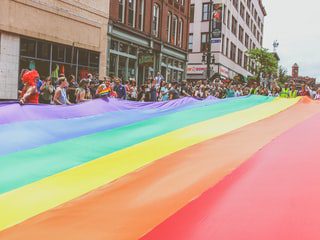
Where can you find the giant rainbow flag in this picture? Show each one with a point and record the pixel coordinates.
(242, 168)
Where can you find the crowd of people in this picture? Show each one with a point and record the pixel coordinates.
(62, 90)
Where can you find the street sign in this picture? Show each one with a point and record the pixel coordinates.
(216, 40)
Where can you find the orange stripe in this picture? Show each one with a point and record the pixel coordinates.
(131, 206)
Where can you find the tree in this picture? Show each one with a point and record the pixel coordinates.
(264, 62)
(282, 74)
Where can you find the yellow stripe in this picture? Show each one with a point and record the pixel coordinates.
(30, 200)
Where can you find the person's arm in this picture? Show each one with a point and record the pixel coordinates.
(170, 95)
(25, 97)
(51, 89)
(43, 86)
(82, 96)
(57, 96)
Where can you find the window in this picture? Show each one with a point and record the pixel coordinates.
(240, 34)
(248, 19)
(190, 43)
(180, 32)
(205, 11)
(43, 50)
(246, 41)
(58, 53)
(123, 47)
(169, 21)
(191, 13)
(222, 44)
(235, 4)
(94, 59)
(204, 42)
(113, 64)
(240, 54)
(141, 15)
(83, 57)
(228, 20)
(224, 14)
(121, 12)
(114, 45)
(132, 12)
(155, 20)
(233, 52)
(28, 48)
(174, 29)
(234, 26)
(133, 51)
(242, 10)
(227, 48)
(245, 62)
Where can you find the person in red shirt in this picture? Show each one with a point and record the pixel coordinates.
(29, 93)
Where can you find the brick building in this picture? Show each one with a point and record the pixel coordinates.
(146, 37)
(299, 80)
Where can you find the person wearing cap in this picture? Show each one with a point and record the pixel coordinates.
(29, 92)
(60, 95)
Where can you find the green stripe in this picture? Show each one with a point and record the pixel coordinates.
(21, 168)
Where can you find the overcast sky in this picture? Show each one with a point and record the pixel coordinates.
(296, 25)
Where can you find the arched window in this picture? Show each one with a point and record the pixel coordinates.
(180, 32)
(141, 15)
(155, 20)
(174, 29)
(169, 21)
(132, 12)
(121, 13)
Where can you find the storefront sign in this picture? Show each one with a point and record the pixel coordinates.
(146, 59)
(196, 69)
(217, 21)
(224, 71)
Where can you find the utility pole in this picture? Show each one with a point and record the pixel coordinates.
(209, 44)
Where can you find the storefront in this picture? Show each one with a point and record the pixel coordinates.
(135, 57)
(52, 59)
(196, 72)
(172, 69)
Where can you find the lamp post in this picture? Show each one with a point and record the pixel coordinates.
(209, 45)
(207, 57)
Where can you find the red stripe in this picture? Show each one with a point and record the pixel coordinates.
(275, 195)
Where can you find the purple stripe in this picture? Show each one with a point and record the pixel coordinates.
(13, 112)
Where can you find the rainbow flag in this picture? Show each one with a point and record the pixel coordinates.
(240, 168)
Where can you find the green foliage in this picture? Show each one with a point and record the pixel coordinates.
(282, 75)
(264, 62)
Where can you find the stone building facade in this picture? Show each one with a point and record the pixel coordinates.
(69, 36)
(237, 26)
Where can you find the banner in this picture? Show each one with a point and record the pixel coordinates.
(217, 21)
